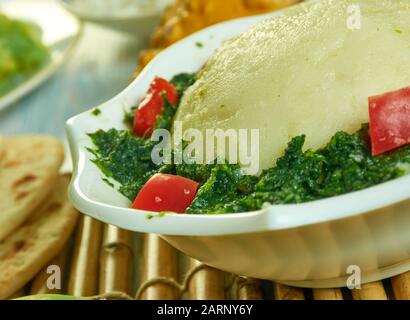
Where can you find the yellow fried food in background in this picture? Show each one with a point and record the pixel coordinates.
(188, 16)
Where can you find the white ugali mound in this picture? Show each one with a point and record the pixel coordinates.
(305, 72)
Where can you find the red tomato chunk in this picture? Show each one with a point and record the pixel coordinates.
(166, 192)
(389, 120)
(152, 105)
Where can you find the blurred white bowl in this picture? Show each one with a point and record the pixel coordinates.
(309, 245)
(138, 17)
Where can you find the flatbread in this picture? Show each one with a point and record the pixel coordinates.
(28, 171)
(24, 253)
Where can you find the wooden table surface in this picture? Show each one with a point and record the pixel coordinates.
(100, 67)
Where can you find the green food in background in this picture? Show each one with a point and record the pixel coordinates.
(21, 52)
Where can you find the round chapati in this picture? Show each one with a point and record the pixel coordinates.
(26, 251)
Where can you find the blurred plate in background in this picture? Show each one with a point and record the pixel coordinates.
(60, 33)
(137, 17)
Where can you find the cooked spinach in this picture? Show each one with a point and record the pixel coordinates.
(197, 172)
(129, 117)
(183, 81)
(343, 166)
(165, 120)
(125, 158)
(22, 52)
(225, 185)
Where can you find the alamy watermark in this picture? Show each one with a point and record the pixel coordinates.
(54, 280)
(354, 17)
(354, 281)
(193, 146)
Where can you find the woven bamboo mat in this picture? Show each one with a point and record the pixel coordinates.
(102, 259)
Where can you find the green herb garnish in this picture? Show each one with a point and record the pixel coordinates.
(96, 112)
(166, 119)
(183, 81)
(108, 182)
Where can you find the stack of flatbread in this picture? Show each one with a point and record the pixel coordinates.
(36, 218)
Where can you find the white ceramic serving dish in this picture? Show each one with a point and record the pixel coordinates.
(307, 245)
(130, 20)
(60, 33)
